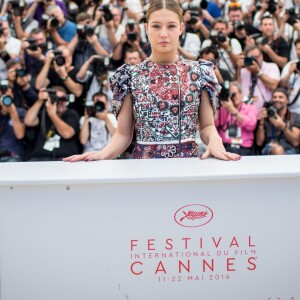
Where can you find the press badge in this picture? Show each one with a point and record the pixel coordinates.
(51, 143)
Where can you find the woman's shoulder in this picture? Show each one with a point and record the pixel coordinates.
(198, 65)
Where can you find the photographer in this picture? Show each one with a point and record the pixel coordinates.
(274, 49)
(12, 129)
(57, 126)
(35, 49)
(130, 39)
(236, 121)
(38, 7)
(278, 130)
(59, 71)
(211, 54)
(228, 49)
(257, 77)
(97, 126)
(9, 46)
(290, 29)
(110, 27)
(20, 24)
(94, 73)
(239, 29)
(189, 43)
(270, 8)
(85, 43)
(20, 82)
(290, 80)
(62, 30)
(193, 21)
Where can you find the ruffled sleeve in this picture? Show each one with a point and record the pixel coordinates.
(209, 82)
(120, 84)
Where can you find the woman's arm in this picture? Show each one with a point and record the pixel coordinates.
(119, 141)
(209, 133)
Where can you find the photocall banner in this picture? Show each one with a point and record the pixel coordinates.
(230, 239)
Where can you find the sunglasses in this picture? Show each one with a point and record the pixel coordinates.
(234, 4)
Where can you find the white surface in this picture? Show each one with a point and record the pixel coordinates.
(148, 170)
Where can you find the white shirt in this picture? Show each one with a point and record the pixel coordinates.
(99, 135)
(192, 44)
(13, 46)
(224, 58)
(293, 87)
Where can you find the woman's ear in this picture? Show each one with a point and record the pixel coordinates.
(146, 28)
(181, 28)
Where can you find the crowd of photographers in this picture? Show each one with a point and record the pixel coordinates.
(56, 58)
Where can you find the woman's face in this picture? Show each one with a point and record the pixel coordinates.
(163, 30)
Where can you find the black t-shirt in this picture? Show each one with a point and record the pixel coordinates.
(280, 47)
(66, 147)
(273, 133)
(55, 80)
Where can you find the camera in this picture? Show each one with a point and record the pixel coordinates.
(6, 100)
(248, 61)
(131, 24)
(84, 31)
(92, 108)
(224, 94)
(33, 46)
(100, 65)
(132, 36)
(238, 25)
(54, 98)
(54, 23)
(293, 16)
(59, 59)
(17, 7)
(258, 5)
(21, 73)
(262, 41)
(217, 37)
(4, 85)
(203, 4)
(298, 65)
(194, 17)
(272, 6)
(271, 110)
(107, 13)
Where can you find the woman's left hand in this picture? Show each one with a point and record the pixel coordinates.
(216, 149)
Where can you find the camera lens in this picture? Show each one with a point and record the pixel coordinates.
(6, 100)
(99, 106)
(54, 23)
(60, 60)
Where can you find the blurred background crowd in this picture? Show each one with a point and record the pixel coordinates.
(56, 58)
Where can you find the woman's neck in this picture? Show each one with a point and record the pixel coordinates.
(164, 59)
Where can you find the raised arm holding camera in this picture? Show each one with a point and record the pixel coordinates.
(20, 82)
(278, 130)
(257, 77)
(275, 49)
(12, 129)
(290, 80)
(62, 30)
(57, 125)
(85, 43)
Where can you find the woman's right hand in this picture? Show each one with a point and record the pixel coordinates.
(88, 156)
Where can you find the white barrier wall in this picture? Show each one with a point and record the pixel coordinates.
(141, 230)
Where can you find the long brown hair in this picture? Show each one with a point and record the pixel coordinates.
(171, 5)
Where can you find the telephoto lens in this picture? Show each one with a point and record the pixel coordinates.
(6, 100)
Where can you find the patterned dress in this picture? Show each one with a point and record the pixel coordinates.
(163, 128)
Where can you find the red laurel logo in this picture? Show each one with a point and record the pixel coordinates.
(193, 215)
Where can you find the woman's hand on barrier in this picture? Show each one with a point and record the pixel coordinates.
(216, 149)
(88, 156)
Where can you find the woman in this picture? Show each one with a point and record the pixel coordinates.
(148, 95)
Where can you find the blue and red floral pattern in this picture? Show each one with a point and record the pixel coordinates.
(155, 90)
